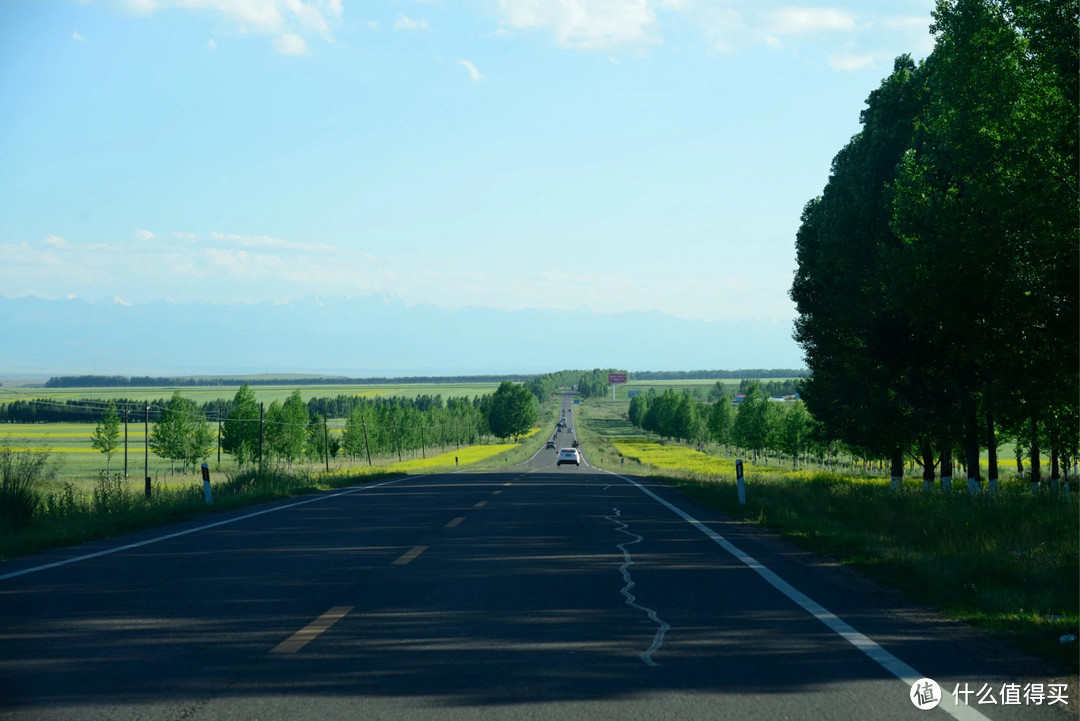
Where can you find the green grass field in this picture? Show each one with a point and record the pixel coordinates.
(264, 394)
(81, 464)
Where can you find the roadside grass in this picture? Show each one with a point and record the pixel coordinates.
(1007, 562)
(48, 513)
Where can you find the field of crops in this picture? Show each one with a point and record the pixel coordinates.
(265, 394)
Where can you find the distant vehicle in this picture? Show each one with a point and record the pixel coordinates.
(568, 455)
(550, 444)
(574, 444)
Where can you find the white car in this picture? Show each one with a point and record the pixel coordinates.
(568, 455)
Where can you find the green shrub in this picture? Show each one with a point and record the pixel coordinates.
(22, 474)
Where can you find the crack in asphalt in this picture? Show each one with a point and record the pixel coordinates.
(631, 600)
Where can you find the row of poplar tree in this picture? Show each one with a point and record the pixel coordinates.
(757, 423)
(937, 281)
(289, 431)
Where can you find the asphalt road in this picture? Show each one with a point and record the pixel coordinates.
(537, 592)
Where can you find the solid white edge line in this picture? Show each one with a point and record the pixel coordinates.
(189, 531)
(883, 658)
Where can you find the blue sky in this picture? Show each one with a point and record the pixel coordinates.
(611, 154)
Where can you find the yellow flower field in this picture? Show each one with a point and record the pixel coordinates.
(465, 456)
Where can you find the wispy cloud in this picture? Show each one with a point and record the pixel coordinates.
(473, 72)
(76, 36)
(406, 23)
(266, 241)
(228, 268)
(143, 235)
(848, 63)
(798, 20)
(584, 23)
(290, 44)
(283, 19)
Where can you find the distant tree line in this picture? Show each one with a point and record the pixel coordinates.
(937, 273)
(718, 374)
(99, 381)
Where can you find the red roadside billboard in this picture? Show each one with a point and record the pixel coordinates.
(616, 378)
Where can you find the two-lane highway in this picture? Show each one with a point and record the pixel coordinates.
(538, 592)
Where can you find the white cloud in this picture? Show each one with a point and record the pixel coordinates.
(903, 22)
(56, 241)
(211, 44)
(584, 23)
(142, 7)
(266, 241)
(120, 301)
(405, 23)
(76, 36)
(290, 44)
(797, 20)
(373, 24)
(772, 41)
(848, 63)
(143, 235)
(473, 72)
(284, 19)
(724, 28)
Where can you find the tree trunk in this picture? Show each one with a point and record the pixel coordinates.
(991, 451)
(946, 468)
(927, 453)
(897, 469)
(1036, 470)
(972, 448)
(1055, 470)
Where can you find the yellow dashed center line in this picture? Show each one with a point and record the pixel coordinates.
(309, 632)
(455, 523)
(408, 557)
(480, 504)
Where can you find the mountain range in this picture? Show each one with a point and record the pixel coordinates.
(366, 337)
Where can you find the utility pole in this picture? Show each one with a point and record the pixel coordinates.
(125, 442)
(326, 445)
(219, 433)
(260, 437)
(146, 448)
(367, 447)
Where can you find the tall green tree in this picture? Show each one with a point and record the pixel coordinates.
(513, 410)
(181, 432)
(720, 420)
(106, 436)
(240, 431)
(287, 428)
(986, 197)
(858, 340)
(756, 422)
